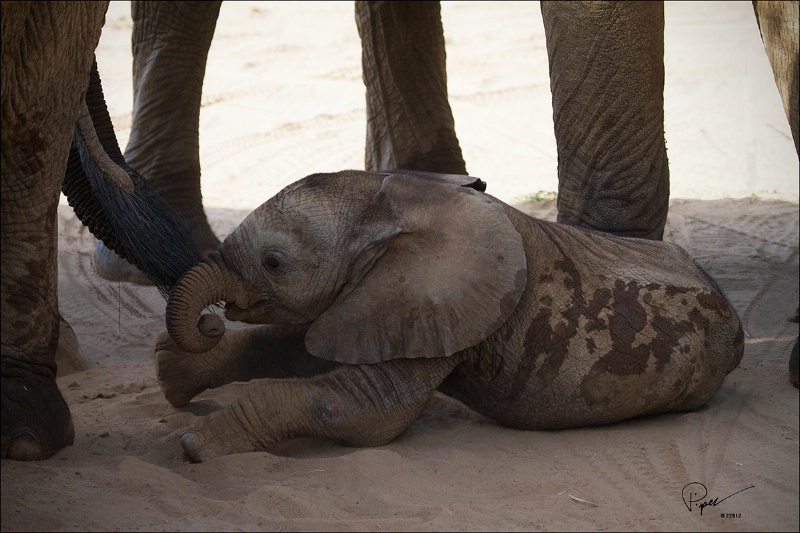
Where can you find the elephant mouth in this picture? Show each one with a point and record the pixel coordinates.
(258, 313)
(264, 311)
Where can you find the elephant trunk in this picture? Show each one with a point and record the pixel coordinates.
(203, 285)
(119, 206)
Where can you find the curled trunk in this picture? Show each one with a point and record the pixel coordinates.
(202, 286)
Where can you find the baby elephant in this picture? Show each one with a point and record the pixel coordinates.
(373, 290)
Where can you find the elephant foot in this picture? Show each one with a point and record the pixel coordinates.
(179, 373)
(223, 433)
(193, 445)
(794, 365)
(36, 421)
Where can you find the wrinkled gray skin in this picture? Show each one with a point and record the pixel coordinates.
(376, 289)
(49, 106)
(779, 23)
(39, 110)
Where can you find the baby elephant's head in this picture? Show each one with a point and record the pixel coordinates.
(377, 265)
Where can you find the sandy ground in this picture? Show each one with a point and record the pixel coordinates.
(284, 98)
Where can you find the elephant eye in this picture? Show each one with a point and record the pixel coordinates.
(272, 262)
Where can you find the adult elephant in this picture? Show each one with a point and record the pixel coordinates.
(409, 121)
(56, 134)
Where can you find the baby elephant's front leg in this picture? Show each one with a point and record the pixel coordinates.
(241, 355)
(358, 405)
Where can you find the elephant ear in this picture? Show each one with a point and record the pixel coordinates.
(448, 278)
(460, 180)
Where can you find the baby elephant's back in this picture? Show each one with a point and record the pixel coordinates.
(614, 328)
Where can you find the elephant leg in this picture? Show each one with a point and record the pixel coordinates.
(47, 52)
(779, 23)
(607, 81)
(170, 48)
(409, 121)
(358, 405)
(241, 355)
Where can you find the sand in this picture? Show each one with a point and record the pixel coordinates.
(283, 98)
